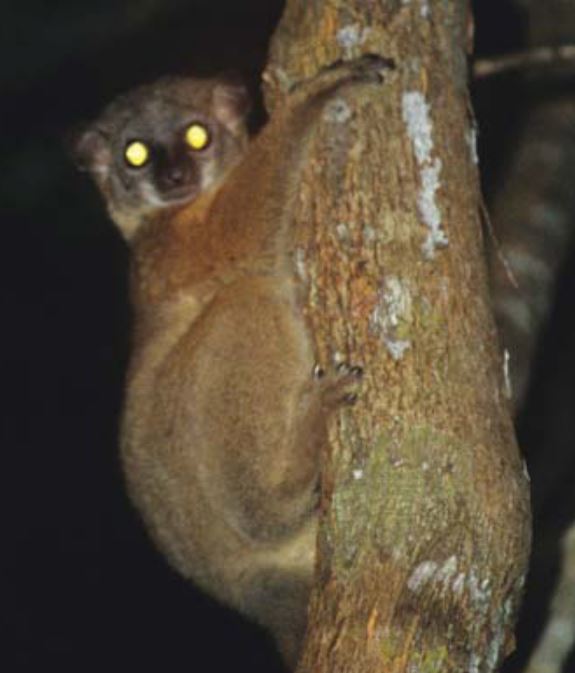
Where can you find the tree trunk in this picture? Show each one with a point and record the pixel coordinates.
(425, 532)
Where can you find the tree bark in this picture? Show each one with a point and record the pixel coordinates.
(425, 529)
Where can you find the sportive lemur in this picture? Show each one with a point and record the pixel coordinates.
(225, 413)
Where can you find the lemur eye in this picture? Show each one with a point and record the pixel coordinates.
(136, 153)
(197, 136)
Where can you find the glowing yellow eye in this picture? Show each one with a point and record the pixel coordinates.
(137, 153)
(197, 136)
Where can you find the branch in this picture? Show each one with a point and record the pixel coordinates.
(543, 56)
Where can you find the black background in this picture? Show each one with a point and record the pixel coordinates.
(82, 588)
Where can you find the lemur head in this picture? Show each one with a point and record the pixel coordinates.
(162, 144)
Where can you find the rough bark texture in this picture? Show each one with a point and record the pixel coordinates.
(425, 534)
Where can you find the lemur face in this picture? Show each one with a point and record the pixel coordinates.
(163, 144)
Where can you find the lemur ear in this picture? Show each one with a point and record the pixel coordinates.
(231, 101)
(90, 149)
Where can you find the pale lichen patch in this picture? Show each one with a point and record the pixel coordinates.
(415, 113)
(508, 387)
(459, 584)
(300, 264)
(474, 663)
(338, 357)
(471, 140)
(392, 311)
(429, 210)
(397, 301)
(447, 571)
(342, 231)
(441, 575)
(397, 347)
(351, 37)
(499, 624)
(479, 592)
(422, 574)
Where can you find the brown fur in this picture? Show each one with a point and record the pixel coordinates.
(223, 419)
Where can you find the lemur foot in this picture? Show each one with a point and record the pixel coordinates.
(367, 69)
(339, 385)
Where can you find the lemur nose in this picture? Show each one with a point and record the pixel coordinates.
(175, 175)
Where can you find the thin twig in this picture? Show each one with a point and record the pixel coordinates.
(486, 67)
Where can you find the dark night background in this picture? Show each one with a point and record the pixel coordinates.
(82, 588)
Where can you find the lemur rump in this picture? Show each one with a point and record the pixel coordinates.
(224, 414)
